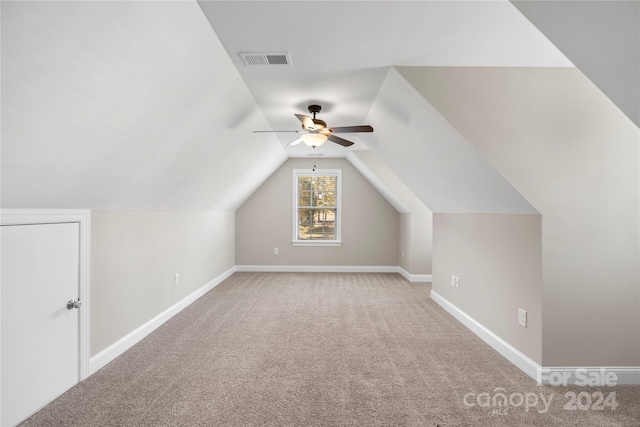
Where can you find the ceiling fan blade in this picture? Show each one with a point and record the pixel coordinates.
(348, 129)
(340, 141)
(306, 121)
(271, 131)
(295, 141)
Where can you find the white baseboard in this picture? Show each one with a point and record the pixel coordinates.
(125, 343)
(415, 277)
(335, 269)
(624, 375)
(513, 355)
(317, 269)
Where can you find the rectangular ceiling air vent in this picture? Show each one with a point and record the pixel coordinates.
(251, 59)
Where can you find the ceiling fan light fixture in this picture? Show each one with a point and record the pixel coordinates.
(314, 139)
(316, 131)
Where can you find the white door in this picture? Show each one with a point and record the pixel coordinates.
(39, 341)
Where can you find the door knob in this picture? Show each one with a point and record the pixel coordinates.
(72, 303)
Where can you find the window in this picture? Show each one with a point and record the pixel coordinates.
(316, 216)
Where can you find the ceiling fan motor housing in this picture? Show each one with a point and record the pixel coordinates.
(314, 109)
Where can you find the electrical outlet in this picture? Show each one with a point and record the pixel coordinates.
(402, 254)
(275, 251)
(522, 317)
(177, 278)
(455, 281)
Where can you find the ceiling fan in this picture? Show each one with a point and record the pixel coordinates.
(315, 131)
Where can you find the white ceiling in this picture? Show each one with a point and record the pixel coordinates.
(341, 51)
(148, 106)
(125, 106)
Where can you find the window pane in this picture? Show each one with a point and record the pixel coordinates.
(304, 183)
(329, 198)
(317, 191)
(304, 198)
(304, 224)
(325, 224)
(304, 191)
(317, 224)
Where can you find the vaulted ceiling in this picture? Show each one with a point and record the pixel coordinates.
(148, 105)
(341, 52)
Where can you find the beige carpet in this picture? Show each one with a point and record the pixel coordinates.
(294, 349)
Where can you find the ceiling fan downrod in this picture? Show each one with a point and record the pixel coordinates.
(314, 109)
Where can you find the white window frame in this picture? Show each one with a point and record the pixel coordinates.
(338, 231)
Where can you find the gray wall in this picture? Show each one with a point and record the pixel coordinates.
(602, 38)
(404, 240)
(134, 257)
(416, 234)
(498, 259)
(370, 225)
(574, 156)
(416, 228)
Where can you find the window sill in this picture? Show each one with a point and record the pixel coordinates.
(316, 243)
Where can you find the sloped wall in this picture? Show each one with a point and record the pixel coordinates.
(125, 105)
(574, 155)
(432, 158)
(370, 224)
(602, 39)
